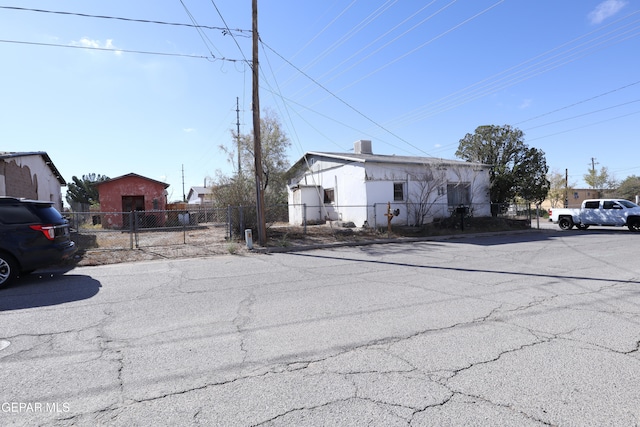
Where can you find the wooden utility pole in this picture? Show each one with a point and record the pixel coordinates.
(257, 146)
(238, 134)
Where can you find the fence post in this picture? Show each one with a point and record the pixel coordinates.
(131, 228)
(185, 218)
(229, 222)
(375, 217)
(304, 217)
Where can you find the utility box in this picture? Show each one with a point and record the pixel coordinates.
(248, 238)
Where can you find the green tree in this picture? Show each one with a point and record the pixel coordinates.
(602, 180)
(629, 188)
(239, 189)
(84, 191)
(516, 169)
(531, 176)
(558, 189)
(275, 164)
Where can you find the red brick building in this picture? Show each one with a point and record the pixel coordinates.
(121, 196)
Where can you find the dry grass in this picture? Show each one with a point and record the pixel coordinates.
(98, 248)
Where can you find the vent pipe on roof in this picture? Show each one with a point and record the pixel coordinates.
(362, 146)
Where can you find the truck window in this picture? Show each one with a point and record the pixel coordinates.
(627, 204)
(592, 205)
(608, 204)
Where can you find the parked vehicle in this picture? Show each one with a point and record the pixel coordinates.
(608, 212)
(33, 235)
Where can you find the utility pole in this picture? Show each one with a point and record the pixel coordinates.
(257, 145)
(184, 198)
(238, 133)
(566, 188)
(593, 173)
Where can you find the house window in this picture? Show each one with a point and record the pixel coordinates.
(459, 194)
(398, 191)
(329, 195)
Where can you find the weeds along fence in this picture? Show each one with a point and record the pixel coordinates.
(402, 213)
(196, 226)
(206, 225)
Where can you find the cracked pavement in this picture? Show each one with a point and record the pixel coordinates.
(513, 330)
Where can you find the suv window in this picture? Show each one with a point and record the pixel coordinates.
(17, 214)
(48, 214)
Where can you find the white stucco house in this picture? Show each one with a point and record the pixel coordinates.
(31, 175)
(200, 195)
(359, 187)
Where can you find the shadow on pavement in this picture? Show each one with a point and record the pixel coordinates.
(47, 288)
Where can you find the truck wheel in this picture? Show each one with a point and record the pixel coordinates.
(565, 223)
(8, 269)
(634, 224)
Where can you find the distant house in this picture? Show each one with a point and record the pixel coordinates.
(200, 195)
(132, 193)
(359, 187)
(575, 197)
(31, 175)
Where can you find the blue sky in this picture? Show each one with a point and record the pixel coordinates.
(413, 77)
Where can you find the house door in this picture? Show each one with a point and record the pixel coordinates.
(130, 203)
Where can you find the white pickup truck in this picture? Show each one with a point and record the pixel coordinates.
(614, 212)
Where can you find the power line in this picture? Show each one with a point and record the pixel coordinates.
(578, 103)
(146, 21)
(519, 73)
(586, 126)
(229, 31)
(344, 102)
(201, 33)
(184, 55)
(582, 115)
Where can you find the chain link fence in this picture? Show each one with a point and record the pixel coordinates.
(203, 226)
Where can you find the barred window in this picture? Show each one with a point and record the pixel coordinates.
(398, 191)
(459, 194)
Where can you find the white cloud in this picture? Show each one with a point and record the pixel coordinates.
(96, 44)
(605, 10)
(526, 103)
(189, 130)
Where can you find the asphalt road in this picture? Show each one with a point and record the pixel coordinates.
(529, 329)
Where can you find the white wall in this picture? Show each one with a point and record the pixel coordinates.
(48, 186)
(360, 186)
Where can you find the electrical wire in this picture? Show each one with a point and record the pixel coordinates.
(346, 103)
(184, 55)
(511, 76)
(145, 21)
(201, 33)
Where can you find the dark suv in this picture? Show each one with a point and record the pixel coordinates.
(33, 235)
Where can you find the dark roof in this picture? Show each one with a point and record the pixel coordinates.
(133, 175)
(45, 157)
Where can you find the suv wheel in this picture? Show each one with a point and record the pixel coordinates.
(8, 269)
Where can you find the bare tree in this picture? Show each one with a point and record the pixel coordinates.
(429, 186)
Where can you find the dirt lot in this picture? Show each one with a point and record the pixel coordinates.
(111, 248)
